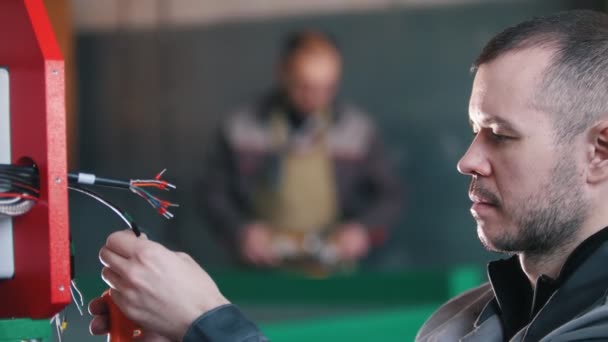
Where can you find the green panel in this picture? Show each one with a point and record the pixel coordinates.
(16, 330)
(405, 288)
(464, 278)
(398, 325)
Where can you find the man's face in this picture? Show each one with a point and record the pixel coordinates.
(527, 191)
(311, 79)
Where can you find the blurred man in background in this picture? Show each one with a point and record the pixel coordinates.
(299, 177)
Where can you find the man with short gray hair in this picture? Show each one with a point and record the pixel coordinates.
(539, 185)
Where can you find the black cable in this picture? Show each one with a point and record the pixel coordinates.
(76, 178)
(20, 174)
(125, 217)
(21, 171)
(18, 167)
(25, 180)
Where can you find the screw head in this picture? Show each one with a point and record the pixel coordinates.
(61, 288)
(58, 180)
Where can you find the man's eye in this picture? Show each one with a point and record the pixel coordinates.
(498, 137)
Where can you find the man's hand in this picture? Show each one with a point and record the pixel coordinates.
(100, 324)
(256, 245)
(160, 290)
(352, 241)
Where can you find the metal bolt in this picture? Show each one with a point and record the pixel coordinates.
(58, 180)
(61, 288)
(55, 72)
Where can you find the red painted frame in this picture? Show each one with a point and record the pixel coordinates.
(28, 49)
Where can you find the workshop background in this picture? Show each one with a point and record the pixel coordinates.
(149, 80)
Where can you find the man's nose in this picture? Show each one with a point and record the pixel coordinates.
(474, 161)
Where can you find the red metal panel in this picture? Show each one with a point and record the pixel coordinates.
(41, 286)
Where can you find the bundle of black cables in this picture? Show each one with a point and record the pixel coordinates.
(19, 189)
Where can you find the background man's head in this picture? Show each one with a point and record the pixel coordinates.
(540, 88)
(310, 69)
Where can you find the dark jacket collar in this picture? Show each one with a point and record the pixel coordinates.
(581, 282)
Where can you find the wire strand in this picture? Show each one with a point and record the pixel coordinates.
(137, 186)
(113, 207)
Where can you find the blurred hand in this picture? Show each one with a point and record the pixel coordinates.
(352, 241)
(256, 245)
(160, 290)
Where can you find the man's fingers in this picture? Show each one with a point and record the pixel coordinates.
(100, 325)
(98, 306)
(113, 279)
(122, 243)
(115, 261)
(125, 302)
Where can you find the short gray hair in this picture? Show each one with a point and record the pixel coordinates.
(575, 84)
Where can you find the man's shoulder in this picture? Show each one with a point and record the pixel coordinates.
(590, 325)
(350, 112)
(248, 112)
(457, 316)
(243, 129)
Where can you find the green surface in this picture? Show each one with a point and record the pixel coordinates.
(405, 288)
(349, 307)
(394, 325)
(16, 330)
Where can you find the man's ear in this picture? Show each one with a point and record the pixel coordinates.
(598, 161)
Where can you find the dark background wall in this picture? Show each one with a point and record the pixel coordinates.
(151, 99)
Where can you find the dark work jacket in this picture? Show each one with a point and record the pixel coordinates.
(572, 307)
(224, 324)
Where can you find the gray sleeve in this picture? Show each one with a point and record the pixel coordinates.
(590, 326)
(224, 324)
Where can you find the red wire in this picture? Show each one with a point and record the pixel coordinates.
(155, 185)
(25, 186)
(15, 195)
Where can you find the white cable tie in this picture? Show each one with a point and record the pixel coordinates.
(86, 178)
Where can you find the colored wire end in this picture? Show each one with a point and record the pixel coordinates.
(140, 187)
